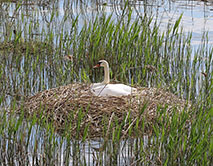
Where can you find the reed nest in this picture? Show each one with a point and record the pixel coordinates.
(64, 104)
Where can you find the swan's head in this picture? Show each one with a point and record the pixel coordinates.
(101, 63)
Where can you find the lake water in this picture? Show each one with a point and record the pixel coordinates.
(197, 15)
(197, 18)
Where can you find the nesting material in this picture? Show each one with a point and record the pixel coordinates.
(64, 103)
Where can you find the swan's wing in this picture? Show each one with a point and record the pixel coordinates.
(96, 85)
(99, 90)
(112, 90)
(125, 88)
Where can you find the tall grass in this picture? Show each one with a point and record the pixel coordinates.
(32, 60)
(183, 139)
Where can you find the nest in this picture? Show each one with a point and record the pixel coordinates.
(64, 104)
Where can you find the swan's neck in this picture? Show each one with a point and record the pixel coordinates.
(106, 75)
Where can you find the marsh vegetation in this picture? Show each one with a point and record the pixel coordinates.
(36, 38)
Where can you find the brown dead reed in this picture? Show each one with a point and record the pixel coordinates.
(63, 105)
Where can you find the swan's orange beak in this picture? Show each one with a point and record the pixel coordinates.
(96, 66)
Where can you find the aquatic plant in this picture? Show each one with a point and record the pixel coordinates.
(32, 60)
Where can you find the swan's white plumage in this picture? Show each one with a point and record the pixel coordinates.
(112, 90)
(106, 89)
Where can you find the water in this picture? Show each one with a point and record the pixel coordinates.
(39, 19)
(46, 21)
(197, 15)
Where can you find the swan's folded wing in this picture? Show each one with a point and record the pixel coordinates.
(112, 90)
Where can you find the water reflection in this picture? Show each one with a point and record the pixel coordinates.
(41, 148)
(49, 23)
(40, 16)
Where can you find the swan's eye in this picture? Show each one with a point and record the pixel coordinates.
(98, 65)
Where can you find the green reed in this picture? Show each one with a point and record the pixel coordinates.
(182, 139)
(133, 45)
(34, 62)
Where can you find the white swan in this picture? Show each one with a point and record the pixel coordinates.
(106, 89)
